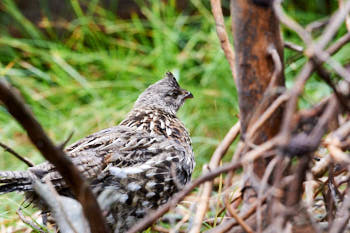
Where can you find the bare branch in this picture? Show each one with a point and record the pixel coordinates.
(234, 214)
(342, 217)
(29, 222)
(16, 107)
(289, 22)
(208, 186)
(316, 24)
(18, 156)
(222, 148)
(338, 44)
(335, 22)
(64, 143)
(294, 47)
(223, 227)
(222, 34)
(66, 211)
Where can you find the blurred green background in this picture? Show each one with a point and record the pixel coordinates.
(80, 66)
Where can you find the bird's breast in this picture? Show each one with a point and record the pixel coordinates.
(156, 122)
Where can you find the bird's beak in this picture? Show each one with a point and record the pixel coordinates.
(187, 95)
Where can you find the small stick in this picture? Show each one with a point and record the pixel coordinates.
(289, 22)
(258, 151)
(338, 44)
(337, 154)
(160, 229)
(264, 183)
(316, 24)
(293, 46)
(342, 216)
(234, 214)
(237, 198)
(265, 116)
(18, 156)
(231, 223)
(222, 34)
(64, 143)
(28, 222)
(179, 224)
(334, 23)
(239, 149)
(208, 186)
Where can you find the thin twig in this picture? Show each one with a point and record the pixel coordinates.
(267, 114)
(234, 214)
(222, 148)
(264, 180)
(335, 22)
(18, 156)
(160, 229)
(223, 227)
(321, 56)
(236, 156)
(342, 216)
(289, 22)
(332, 49)
(258, 151)
(326, 76)
(287, 124)
(208, 186)
(278, 66)
(338, 44)
(337, 154)
(56, 199)
(29, 222)
(222, 35)
(316, 24)
(293, 47)
(236, 200)
(64, 143)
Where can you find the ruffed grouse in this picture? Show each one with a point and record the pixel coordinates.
(133, 167)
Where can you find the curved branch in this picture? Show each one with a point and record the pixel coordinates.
(17, 108)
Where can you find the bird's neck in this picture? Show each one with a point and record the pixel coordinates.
(157, 122)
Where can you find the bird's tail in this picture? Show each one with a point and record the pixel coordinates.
(11, 181)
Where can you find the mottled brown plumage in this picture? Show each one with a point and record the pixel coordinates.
(133, 167)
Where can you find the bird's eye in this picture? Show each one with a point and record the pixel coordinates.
(173, 94)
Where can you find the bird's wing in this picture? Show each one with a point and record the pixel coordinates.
(120, 147)
(141, 185)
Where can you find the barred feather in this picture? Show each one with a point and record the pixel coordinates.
(11, 181)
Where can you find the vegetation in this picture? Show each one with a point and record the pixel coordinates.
(84, 74)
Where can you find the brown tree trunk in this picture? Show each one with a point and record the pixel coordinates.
(256, 32)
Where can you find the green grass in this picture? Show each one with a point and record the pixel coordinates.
(87, 76)
(89, 79)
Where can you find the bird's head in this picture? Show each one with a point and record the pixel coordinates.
(165, 95)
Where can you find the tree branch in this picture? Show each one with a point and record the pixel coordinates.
(16, 107)
(18, 156)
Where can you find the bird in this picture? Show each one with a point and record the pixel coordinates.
(133, 167)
